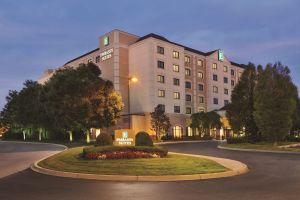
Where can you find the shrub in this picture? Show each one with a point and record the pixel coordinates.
(236, 140)
(123, 152)
(104, 140)
(143, 139)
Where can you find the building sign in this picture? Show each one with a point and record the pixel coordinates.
(124, 137)
(220, 55)
(106, 54)
(106, 40)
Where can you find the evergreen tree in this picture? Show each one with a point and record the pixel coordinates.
(160, 122)
(240, 110)
(274, 102)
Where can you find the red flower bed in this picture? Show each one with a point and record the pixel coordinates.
(122, 155)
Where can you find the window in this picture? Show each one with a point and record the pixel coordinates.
(200, 87)
(225, 69)
(187, 72)
(90, 60)
(188, 97)
(240, 74)
(176, 95)
(162, 107)
(215, 89)
(176, 68)
(200, 75)
(160, 50)
(177, 131)
(216, 101)
(176, 109)
(97, 59)
(175, 54)
(200, 109)
(176, 81)
(215, 77)
(160, 64)
(232, 72)
(160, 78)
(214, 66)
(201, 99)
(161, 93)
(187, 59)
(232, 82)
(226, 102)
(188, 85)
(188, 110)
(189, 131)
(225, 80)
(200, 63)
(225, 91)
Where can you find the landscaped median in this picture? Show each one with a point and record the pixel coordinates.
(281, 147)
(173, 167)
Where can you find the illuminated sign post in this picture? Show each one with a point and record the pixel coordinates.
(124, 137)
(220, 55)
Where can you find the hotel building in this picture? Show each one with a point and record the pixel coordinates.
(182, 79)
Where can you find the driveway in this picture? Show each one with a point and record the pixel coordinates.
(272, 177)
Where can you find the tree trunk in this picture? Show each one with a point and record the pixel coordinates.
(24, 135)
(88, 140)
(71, 136)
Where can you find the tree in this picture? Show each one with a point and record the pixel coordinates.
(205, 122)
(240, 111)
(160, 122)
(274, 102)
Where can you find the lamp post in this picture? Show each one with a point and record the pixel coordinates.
(133, 80)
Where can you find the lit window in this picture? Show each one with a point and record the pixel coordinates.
(225, 80)
(188, 110)
(201, 99)
(175, 54)
(160, 64)
(176, 109)
(215, 89)
(232, 82)
(216, 101)
(214, 66)
(225, 91)
(200, 87)
(188, 97)
(225, 69)
(187, 59)
(161, 93)
(90, 60)
(200, 109)
(200, 75)
(160, 79)
(176, 68)
(97, 59)
(188, 85)
(176, 95)
(160, 50)
(215, 77)
(187, 72)
(176, 81)
(200, 63)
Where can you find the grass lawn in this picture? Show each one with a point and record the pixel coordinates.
(263, 146)
(171, 165)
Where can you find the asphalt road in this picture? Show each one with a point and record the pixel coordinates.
(272, 177)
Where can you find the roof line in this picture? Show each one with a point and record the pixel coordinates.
(81, 56)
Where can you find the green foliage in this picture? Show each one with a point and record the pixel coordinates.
(274, 102)
(240, 111)
(204, 122)
(237, 140)
(143, 139)
(160, 122)
(104, 139)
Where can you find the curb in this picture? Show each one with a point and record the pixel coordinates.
(235, 168)
(258, 150)
(182, 142)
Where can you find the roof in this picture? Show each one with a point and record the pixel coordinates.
(82, 56)
(159, 37)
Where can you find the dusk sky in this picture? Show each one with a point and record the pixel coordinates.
(41, 34)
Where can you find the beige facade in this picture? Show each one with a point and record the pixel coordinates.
(182, 79)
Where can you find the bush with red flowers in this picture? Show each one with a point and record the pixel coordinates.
(118, 152)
